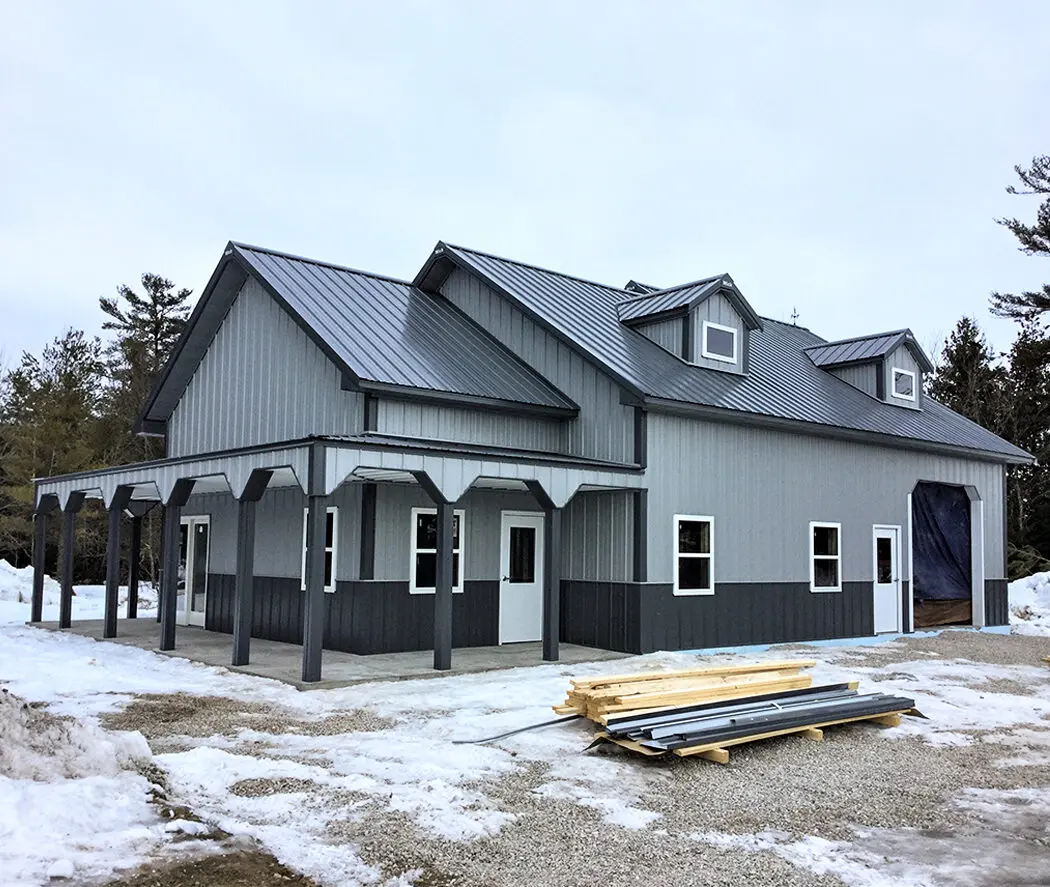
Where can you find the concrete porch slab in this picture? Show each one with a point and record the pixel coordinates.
(283, 662)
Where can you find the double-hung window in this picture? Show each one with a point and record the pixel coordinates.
(331, 534)
(424, 550)
(694, 561)
(825, 556)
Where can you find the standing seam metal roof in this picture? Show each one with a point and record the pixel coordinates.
(782, 381)
(389, 331)
(669, 299)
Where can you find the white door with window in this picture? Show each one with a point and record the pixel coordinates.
(521, 572)
(886, 555)
(194, 536)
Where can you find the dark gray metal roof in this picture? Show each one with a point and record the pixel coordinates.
(782, 383)
(684, 297)
(380, 331)
(862, 349)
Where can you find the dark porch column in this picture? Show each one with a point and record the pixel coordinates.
(314, 606)
(116, 511)
(41, 516)
(69, 530)
(245, 582)
(443, 577)
(137, 509)
(169, 584)
(551, 571)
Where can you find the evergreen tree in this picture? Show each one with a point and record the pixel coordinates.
(967, 379)
(1034, 239)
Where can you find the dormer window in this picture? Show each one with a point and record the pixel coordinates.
(719, 342)
(903, 384)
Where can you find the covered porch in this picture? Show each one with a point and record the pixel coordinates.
(315, 478)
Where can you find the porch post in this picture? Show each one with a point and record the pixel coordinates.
(134, 566)
(314, 606)
(551, 570)
(41, 516)
(443, 572)
(244, 584)
(116, 508)
(169, 585)
(69, 528)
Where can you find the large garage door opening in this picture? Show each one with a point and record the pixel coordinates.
(942, 586)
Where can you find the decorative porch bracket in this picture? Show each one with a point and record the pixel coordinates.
(443, 572)
(551, 570)
(115, 506)
(178, 495)
(245, 581)
(72, 505)
(41, 517)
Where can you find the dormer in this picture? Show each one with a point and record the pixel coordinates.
(706, 323)
(886, 366)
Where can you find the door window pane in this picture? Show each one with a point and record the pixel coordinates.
(200, 567)
(522, 554)
(883, 560)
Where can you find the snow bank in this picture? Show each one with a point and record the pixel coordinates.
(1030, 605)
(89, 601)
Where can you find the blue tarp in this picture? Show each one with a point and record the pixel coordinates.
(941, 534)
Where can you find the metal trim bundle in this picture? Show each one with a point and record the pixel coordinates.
(712, 724)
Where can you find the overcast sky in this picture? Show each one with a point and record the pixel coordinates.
(843, 159)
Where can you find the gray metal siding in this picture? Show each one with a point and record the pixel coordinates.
(597, 537)
(261, 380)
(863, 377)
(431, 422)
(604, 428)
(665, 333)
(717, 309)
(902, 359)
(764, 487)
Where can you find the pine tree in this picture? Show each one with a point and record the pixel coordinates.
(1034, 239)
(967, 379)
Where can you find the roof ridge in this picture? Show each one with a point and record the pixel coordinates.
(323, 264)
(899, 332)
(671, 289)
(479, 252)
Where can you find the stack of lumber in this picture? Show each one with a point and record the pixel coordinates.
(625, 695)
(705, 711)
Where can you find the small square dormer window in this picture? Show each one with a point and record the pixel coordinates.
(719, 342)
(903, 384)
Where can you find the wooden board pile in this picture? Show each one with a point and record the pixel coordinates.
(705, 711)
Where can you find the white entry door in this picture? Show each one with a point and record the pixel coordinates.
(887, 579)
(521, 572)
(194, 540)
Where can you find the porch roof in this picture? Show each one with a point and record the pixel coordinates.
(451, 467)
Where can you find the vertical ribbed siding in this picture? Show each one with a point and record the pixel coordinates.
(717, 309)
(488, 427)
(862, 377)
(598, 542)
(604, 427)
(262, 380)
(763, 488)
(665, 333)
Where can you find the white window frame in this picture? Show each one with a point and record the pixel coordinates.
(413, 551)
(334, 549)
(709, 324)
(893, 384)
(705, 518)
(820, 589)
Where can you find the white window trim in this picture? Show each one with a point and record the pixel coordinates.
(334, 511)
(893, 384)
(689, 592)
(708, 324)
(413, 551)
(824, 557)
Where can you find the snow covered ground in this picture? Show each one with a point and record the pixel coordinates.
(87, 811)
(16, 595)
(1030, 605)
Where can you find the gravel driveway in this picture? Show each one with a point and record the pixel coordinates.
(962, 798)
